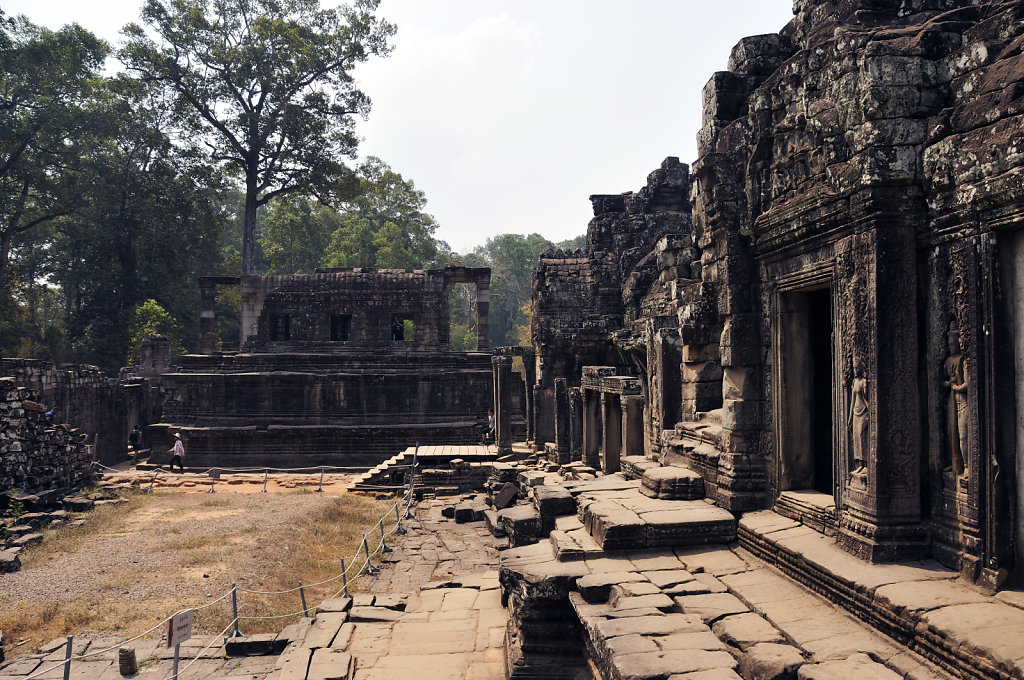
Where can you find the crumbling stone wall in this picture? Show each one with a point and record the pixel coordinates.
(855, 253)
(36, 457)
(85, 398)
(578, 299)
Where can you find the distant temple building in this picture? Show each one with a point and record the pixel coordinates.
(343, 367)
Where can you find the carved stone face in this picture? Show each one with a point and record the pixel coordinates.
(953, 342)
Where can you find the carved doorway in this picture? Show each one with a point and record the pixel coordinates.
(804, 343)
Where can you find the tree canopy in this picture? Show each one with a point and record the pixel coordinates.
(267, 87)
(44, 77)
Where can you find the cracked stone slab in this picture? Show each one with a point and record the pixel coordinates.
(651, 625)
(771, 661)
(856, 667)
(651, 665)
(712, 606)
(746, 630)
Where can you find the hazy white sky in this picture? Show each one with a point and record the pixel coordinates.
(509, 114)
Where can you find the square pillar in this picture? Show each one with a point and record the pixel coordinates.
(632, 426)
(544, 420)
(502, 368)
(530, 369)
(575, 424)
(592, 428)
(483, 305)
(207, 316)
(562, 419)
(611, 413)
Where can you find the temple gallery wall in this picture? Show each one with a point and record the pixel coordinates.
(822, 313)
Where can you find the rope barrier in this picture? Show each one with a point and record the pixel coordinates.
(367, 566)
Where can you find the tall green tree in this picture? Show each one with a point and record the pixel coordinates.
(386, 225)
(294, 234)
(267, 86)
(512, 259)
(149, 227)
(44, 75)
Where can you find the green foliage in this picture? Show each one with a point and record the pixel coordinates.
(15, 508)
(385, 226)
(267, 86)
(294, 234)
(151, 318)
(512, 258)
(462, 337)
(228, 303)
(150, 224)
(44, 75)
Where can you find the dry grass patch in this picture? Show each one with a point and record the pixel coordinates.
(132, 565)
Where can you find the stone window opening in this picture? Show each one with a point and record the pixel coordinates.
(403, 329)
(280, 328)
(341, 327)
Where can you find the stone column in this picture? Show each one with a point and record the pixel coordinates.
(632, 426)
(592, 428)
(207, 315)
(562, 419)
(575, 423)
(611, 451)
(544, 420)
(483, 305)
(503, 412)
(530, 369)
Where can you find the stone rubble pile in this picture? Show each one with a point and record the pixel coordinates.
(39, 466)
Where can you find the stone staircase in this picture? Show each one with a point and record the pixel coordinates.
(443, 470)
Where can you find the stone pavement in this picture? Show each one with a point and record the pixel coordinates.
(434, 611)
(450, 627)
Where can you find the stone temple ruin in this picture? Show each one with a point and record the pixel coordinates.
(822, 315)
(343, 366)
(816, 329)
(768, 376)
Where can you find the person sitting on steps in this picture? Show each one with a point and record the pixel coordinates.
(489, 430)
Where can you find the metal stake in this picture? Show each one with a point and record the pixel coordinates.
(67, 658)
(154, 479)
(344, 577)
(370, 569)
(383, 546)
(174, 668)
(213, 480)
(320, 486)
(399, 529)
(234, 610)
(302, 594)
(266, 473)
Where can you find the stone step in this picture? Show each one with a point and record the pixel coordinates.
(636, 522)
(577, 544)
(633, 467)
(672, 482)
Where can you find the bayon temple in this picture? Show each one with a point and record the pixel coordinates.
(806, 345)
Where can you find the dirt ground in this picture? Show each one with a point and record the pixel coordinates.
(133, 564)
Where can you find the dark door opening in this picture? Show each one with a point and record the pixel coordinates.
(820, 313)
(805, 421)
(671, 386)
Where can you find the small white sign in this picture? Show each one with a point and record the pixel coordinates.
(179, 628)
